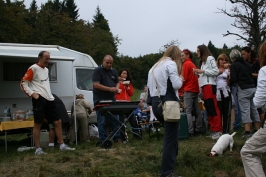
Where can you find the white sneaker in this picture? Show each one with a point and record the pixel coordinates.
(39, 151)
(66, 147)
(216, 135)
(153, 129)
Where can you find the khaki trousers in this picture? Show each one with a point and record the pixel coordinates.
(251, 153)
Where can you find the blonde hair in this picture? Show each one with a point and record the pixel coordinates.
(262, 54)
(174, 53)
(222, 56)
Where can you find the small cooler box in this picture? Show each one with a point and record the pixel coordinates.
(183, 127)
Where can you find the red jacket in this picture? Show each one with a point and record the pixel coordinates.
(126, 92)
(191, 82)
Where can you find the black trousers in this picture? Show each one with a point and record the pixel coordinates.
(170, 140)
(225, 112)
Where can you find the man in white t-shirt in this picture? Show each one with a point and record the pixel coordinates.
(36, 85)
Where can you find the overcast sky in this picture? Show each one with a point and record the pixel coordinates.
(146, 25)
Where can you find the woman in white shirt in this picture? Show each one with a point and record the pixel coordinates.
(164, 78)
(223, 94)
(255, 146)
(207, 81)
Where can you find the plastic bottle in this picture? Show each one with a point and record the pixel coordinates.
(5, 112)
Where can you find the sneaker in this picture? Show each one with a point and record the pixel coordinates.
(247, 135)
(211, 134)
(67, 148)
(39, 151)
(216, 135)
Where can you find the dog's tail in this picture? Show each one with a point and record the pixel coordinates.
(233, 134)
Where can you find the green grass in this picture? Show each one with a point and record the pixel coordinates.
(137, 158)
(136, 95)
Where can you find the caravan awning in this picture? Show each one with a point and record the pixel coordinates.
(32, 51)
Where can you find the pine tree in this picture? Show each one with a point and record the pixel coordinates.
(99, 21)
(70, 7)
(212, 49)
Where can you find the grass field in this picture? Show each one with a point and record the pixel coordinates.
(136, 158)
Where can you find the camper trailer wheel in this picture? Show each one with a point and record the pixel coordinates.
(107, 144)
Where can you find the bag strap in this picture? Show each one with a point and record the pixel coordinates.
(158, 93)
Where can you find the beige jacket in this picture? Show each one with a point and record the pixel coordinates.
(82, 107)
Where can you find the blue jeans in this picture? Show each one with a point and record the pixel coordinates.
(102, 126)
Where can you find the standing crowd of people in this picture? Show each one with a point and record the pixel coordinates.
(219, 83)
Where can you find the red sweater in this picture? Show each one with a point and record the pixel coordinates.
(191, 82)
(126, 93)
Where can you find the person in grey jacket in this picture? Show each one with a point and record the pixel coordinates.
(256, 145)
(207, 81)
(83, 110)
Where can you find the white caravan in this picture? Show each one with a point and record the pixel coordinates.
(70, 73)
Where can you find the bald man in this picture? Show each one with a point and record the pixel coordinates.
(105, 86)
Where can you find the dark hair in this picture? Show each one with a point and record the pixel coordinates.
(41, 53)
(187, 52)
(204, 53)
(129, 78)
(252, 53)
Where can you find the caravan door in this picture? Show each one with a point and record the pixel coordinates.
(83, 85)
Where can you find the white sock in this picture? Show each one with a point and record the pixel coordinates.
(51, 144)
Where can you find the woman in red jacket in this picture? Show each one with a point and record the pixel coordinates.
(126, 90)
(191, 90)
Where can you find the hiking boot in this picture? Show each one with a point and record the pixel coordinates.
(67, 148)
(39, 151)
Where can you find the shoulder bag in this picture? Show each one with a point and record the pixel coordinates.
(171, 109)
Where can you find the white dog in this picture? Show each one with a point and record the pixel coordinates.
(222, 143)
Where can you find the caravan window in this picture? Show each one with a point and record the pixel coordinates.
(84, 79)
(13, 71)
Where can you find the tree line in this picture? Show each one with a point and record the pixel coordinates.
(57, 23)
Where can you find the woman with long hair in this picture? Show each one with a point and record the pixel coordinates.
(165, 79)
(256, 145)
(207, 75)
(126, 88)
(223, 94)
(126, 91)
